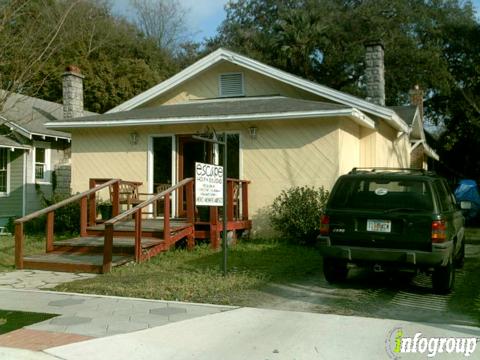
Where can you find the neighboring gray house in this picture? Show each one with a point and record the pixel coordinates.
(34, 159)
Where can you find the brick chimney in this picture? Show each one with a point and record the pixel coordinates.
(72, 92)
(375, 72)
(416, 98)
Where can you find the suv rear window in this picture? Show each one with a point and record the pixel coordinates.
(382, 194)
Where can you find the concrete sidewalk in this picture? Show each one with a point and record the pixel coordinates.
(98, 316)
(106, 327)
(247, 333)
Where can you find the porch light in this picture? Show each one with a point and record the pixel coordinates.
(134, 138)
(252, 131)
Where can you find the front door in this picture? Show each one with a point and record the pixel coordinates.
(161, 170)
(190, 151)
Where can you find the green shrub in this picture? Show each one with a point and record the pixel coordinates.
(67, 218)
(295, 213)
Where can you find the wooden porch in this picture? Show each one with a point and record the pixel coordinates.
(133, 234)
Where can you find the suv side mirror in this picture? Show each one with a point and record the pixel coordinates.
(465, 205)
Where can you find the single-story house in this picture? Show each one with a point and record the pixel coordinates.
(282, 130)
(33, 158)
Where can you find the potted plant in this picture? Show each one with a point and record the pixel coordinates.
(105, 209)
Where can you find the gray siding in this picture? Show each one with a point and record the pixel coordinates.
(12, 204)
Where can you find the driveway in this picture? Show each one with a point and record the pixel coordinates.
(380, 296)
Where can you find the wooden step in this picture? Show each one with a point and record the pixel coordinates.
(71, 262)
(94, 244)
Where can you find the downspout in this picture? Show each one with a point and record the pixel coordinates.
(24, 190)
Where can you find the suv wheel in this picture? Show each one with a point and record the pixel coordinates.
(461, 255)
(443, 278)
(335, 270)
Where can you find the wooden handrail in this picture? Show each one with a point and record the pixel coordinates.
(147, 202)
(64, 202)
(136, 211)
(50, 212)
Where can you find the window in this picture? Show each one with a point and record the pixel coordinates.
(3, 170)
(42, 163)
(444, 196)
(231, 85)
(382, 194)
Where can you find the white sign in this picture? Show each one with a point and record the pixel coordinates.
(208, 185)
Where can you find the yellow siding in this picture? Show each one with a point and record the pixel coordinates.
(391, 150)
(367, 147)
(205, 86)
(349, 146)
(284, 154)
(106, 153)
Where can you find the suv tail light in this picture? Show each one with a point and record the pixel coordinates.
(324, 225)
(439, 231)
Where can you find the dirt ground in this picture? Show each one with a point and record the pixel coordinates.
(378, 295)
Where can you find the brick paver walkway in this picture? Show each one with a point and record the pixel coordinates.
(37, 340)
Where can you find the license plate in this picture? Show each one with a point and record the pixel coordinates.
(379, 225)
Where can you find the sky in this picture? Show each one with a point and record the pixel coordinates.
(206, 15)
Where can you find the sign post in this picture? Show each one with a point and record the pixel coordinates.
(209, 188)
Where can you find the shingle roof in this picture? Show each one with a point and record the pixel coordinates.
(32, 114)
(217, 107)
(407, 113)
(7, 142)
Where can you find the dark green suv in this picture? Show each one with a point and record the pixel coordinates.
(393, 219)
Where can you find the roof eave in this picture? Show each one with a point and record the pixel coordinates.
(430, 152)
(13, 147)
(29, 134)
(353, 114)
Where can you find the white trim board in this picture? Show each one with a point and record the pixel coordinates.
(357, 116)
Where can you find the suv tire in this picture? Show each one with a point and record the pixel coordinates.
(443, 278)
(335, 270)
(461, 256)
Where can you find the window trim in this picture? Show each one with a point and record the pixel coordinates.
(242, 93)
(47, 178)
(7, 192)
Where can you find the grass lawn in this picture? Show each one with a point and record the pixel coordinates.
(13, 320)
(196, 276)
(32, 245)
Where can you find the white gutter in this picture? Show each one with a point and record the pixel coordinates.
(29, 134)
(354, 114)
(24, 190)
(13, 147)
(430, 152)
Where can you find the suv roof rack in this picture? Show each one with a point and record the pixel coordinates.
(384, 169)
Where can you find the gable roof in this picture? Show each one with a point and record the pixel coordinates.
(411, 115)
(221, 54)
(28, 115)
(407, 113)
(220, 110)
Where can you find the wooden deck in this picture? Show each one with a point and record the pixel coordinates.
(129, 235)
(149, 226)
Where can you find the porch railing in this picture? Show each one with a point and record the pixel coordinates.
(50, 212)
(136, 212)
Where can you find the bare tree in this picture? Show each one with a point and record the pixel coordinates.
(162, 21)
(29, 30)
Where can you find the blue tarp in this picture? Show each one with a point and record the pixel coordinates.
(467, 190)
